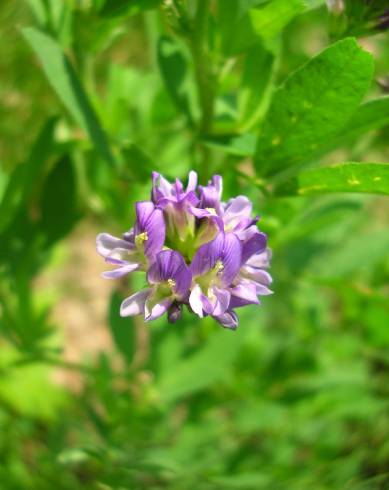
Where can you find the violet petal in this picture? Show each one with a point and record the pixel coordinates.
(192, 181)
(155, 229)
(170, 264)
(254, 245)
(135, 304)
(105, 243)
(223, 300)
(154, 310)
(246, 291)
(120, 271)
(228, 319)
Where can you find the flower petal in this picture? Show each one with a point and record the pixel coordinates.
(222, 301)
(237, 209)
(207, 256)
(256, 244)
(156, 230)
(170, 264)
(263, 290)
(144, 211)
(118, 256)
(225, 248)
(190, 199)
(258, 275)
(261, 260)
(154, 310)
(192, 181)
(135, 304)
(245, 291)
(106, 243)
(231, 258)
(228, 319)
(198, 300)
(161, 187)
(120, 271)
(211, 194)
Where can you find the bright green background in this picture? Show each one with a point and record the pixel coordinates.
(288, 104)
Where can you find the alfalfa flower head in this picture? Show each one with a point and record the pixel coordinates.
(196, 251)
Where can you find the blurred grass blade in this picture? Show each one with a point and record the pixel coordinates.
(24, 178)
(59, 206)
(122, 329)
(174, 69)
(39, 10)
(138, 165)
(257, 78)
(370, 178)
(66, 84)
(117, 8)
(312, 106)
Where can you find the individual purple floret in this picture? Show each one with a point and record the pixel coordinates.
(175, 201)
(196, 251)
(169, 278)
(138, 247)
(214, 267)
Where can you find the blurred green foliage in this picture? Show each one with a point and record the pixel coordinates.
(95, 94)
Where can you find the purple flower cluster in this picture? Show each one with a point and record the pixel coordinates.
(196, 251)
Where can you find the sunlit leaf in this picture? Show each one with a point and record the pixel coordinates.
(374, 114)
(312, 106)
(370, 178)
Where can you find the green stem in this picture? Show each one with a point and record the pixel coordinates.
(205, 78)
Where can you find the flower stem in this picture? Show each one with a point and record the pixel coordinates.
(205, 78)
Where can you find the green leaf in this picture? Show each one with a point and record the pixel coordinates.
(59, 207)
(312, 106)
(174, 70)
(374, 114)
(269, 20)
(122, 329)
(62, 77)
(372, 178)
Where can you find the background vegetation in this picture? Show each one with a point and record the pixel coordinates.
(95, 94)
